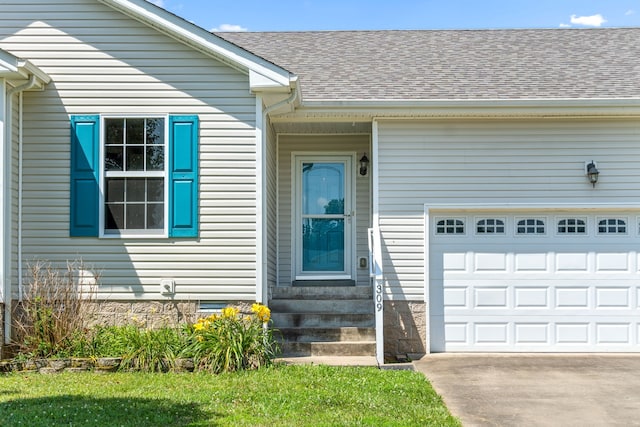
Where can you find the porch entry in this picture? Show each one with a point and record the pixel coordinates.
(323, 217)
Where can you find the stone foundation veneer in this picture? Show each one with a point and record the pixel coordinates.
(405, 329)
(152, 314)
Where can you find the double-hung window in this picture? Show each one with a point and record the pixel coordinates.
(134, 176)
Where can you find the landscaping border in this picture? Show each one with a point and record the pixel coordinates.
(74, 364)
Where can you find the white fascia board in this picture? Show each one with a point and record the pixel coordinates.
(8, 63)
(17, 69)
(202, 40)
(490, 107)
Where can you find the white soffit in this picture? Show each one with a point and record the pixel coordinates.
(263, 74)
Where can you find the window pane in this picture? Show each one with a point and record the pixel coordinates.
(323, 245)
(155, 131)
(322, 188)
(135, 158)
(155, 190)
(114, 217)
(113, 159)
(135, 216)
(135, 131)
(114, 131)
(135, 189)
(155, 216)
(115, 189)
(155, 158)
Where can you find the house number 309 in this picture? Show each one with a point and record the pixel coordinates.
(378, 297)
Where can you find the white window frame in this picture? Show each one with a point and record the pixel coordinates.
(504, 225)
(567, 233)
(617, 218)
(155, 233)
(465, 223)
(517, 219)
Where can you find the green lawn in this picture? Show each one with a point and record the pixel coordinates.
(277, 396)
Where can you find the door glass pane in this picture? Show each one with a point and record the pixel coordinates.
(323, 244)
(322, 188)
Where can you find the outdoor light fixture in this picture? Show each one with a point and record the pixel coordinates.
(592, 172)
(364, 165)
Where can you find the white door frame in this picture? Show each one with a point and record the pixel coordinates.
(348, 158)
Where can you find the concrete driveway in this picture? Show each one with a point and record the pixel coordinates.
(537, 390)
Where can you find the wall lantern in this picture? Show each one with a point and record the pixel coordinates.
(592, 172)
(364, 165)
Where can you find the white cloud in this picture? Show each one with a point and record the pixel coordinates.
(230, 28)
(565, 26)
(630, 12)
(589, 21)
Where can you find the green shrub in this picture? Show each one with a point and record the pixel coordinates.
(231, 342)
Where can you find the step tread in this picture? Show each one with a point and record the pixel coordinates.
(342, 348)
(322, 320)
(338, 334)
(345, 306)
(323, 292)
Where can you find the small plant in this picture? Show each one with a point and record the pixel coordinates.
(150, 350)
(141, 349)
(232, 342)
(51, 318)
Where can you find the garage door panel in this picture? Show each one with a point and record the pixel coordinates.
(531, 333)
(490, 262)
(534, 297)
(491, 297)
(531, 262)
(613, 262)
(540, 293)
(608, 297)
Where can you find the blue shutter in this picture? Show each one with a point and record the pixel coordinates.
(85, 158)
(183, 176)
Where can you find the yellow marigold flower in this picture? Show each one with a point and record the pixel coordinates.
(229, 312)
(198, 326)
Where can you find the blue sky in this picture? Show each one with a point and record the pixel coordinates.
(300, 15)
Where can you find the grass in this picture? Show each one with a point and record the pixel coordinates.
(280, 395)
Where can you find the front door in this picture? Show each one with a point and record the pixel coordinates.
(324, 219)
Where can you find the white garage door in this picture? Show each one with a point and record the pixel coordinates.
(534, 281)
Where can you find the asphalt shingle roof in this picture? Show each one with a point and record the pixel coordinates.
(455, 64)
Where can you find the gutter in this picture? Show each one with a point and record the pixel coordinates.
(33, 82)
(367, 110)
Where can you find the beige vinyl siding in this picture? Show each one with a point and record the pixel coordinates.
(492, 161)
(271, 199)
(332, 143)
(102, 62)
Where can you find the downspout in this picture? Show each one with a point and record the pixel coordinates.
(263, 294)
(7, 307)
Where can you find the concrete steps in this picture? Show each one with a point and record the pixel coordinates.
(324, 320)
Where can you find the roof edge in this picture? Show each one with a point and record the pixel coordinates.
(397, 109)
(272, 76)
